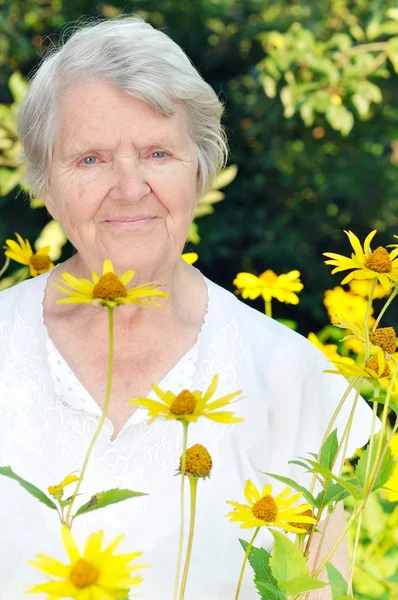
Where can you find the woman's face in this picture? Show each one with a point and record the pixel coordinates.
(123, 179)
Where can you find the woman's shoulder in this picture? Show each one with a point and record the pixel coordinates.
(23, 297)
(257, 327)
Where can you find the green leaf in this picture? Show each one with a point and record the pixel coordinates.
(354, 491)
(337, 582)
(393, 578)
(106, 498)
(392, 52)
(29, 487)
(334, 493)
(18, 86)
(329, 450)
(340, 118)
(297, 585)
(290, 482)
(386, 468)
(287, 561)
(259, 561)
(268, 591)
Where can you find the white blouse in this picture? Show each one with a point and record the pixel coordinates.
(47, 419)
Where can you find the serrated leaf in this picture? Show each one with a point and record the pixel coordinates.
(297, 585)
(290, 482)
(334, 493)
(338, 584)
(329, 450)
(386, 468)
(287, 561)
(225, 177)
(29, 487)
(259, 561)
(107, 498)
(268, 591)
(354, 491)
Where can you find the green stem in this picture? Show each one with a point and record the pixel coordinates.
(354, 553)
(368, 307)
(68, 519)
(386, 305)
(5, 267)
(193, 483)
(268, 308)
(181, 541)
(244, 563)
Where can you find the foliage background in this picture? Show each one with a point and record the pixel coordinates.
(313, 130)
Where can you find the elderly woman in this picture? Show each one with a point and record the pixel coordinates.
(122, 136)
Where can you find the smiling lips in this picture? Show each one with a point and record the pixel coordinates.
(126, 221)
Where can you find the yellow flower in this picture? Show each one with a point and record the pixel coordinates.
(108, 290)
(376, 368)
(189, 406)
(97, 575)
(363, 287)
(198, 462)
(266, 510)
(269, 285)
(38, 262)
(304, 527)
(190, 257)
(392, 483)
(56, 490)
(366, 264)
(342, 305)
(329, 350)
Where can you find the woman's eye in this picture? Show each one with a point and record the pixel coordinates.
(89, 160)
(158, 154)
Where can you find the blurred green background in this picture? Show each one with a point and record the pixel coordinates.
(310, 90)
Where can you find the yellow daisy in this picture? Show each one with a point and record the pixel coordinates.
(189, 406)
(96, 575)
(56, 490)
(267, 510)
(329, 350)
(376, 368)
(343, 305)
(366, 264)
(362, 288)
(38, 262)
(269, 285)
(108, 290)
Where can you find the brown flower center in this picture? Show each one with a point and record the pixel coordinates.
(40, 262)
(379, 261)
(374, 365)
(109, 287)
(84, 574)
(183, 404)
(306, 527)
(265, 509)
(198, 461)
(385, 338)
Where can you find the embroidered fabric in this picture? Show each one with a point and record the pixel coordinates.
(47, 420)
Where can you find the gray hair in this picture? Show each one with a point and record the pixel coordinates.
(141, 61)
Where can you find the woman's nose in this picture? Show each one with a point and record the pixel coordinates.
(129, 184)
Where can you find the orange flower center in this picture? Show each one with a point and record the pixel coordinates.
(84, 574)
(385, 338)
(40, 262)
(265, 509)
(379, 261)
(269, 277)
(109, 287)
(306, 527)
(183, 404)
(198, 462)
(374, 365)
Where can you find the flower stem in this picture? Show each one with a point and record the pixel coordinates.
(193, 483)
(383, 310)
(68, 519)
(5, 267)
(181, 542)
(268, 308)
(244, 563)
(368, 307)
